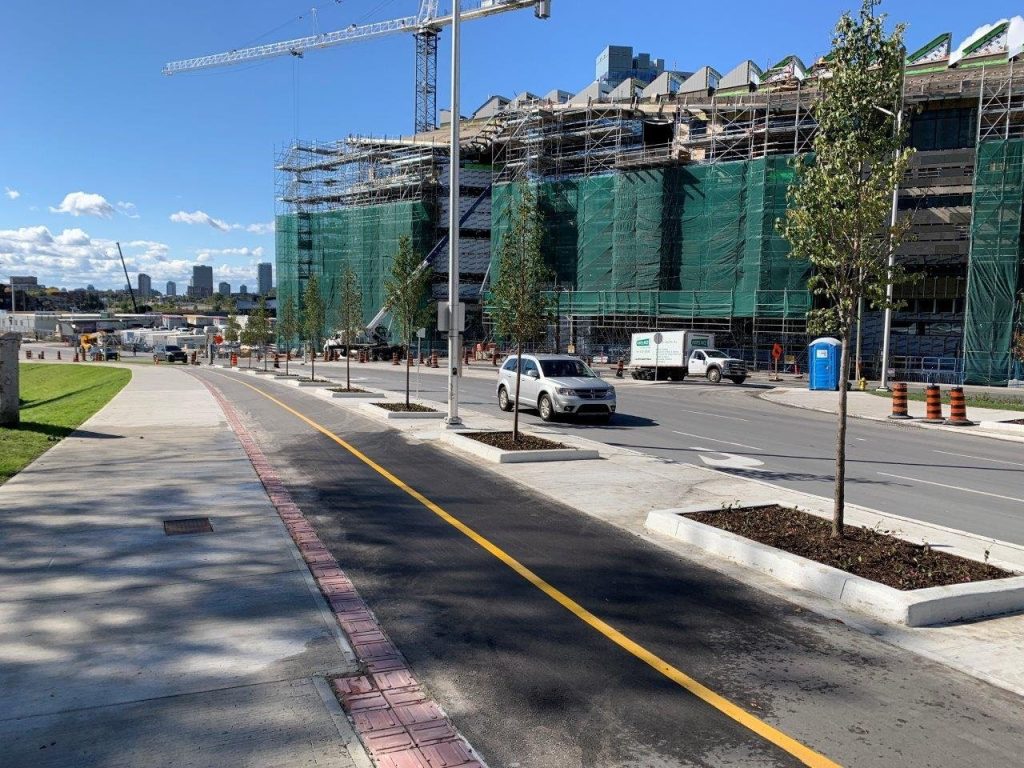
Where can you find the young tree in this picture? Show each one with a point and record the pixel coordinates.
(350, 317)
(257, 330)
(841, 202)
(406, 292)
(517, 304)
(232, 329)
(313, 319)
(288, 329)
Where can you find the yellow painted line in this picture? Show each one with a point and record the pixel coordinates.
(787, 743)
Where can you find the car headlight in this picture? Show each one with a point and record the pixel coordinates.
(566, 391)
(610, 392)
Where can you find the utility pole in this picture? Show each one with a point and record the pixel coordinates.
(454, 332)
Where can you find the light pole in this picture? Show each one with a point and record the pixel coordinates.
(454, 351)
(883, 384)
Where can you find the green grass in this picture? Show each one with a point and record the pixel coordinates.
(979, 400)
(55, 399)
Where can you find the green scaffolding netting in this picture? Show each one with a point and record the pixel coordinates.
(365, 239)
(994, 267)
(688, 241)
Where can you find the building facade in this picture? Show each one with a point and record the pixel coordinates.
(172, 288)
(224, 289)
(145, 285)
(202, 282)
(264, 278)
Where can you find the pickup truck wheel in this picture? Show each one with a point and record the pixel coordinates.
(738, 379)
(714, 375)
(545, 408)
(503, 400)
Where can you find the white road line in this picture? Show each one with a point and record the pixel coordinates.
(954, 487)
(981, 458)
(713, 415)
(716, 440)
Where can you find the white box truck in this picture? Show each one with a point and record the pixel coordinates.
(673, 355)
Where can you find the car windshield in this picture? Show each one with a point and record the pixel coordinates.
(715, 353)
(556, 369)
(173, 349)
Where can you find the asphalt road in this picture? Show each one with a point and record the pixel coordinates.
(531, 685)
(965, 482)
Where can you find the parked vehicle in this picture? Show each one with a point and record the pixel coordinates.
(680, 354)
(109, 353)
(170, 354)
(556, 385)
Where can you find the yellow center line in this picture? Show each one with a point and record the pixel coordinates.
(787, 743)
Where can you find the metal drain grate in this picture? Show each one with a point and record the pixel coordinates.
(184, 525)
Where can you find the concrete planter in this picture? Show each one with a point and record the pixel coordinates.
(355, 395)
(913, 608)
(460, 442)
(311, 384)
(1008, 429)
(383, 413)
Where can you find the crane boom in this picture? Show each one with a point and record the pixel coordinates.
(425, 21)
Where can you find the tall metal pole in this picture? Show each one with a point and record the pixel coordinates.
(887, 326)
(454, 345)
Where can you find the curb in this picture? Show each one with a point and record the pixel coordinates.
(460, 442)
(397, 721)
(383, 413)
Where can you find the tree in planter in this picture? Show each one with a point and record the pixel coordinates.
(257, 330)
(840, 203)
(350, 317)
(288, 329)
(405, 292)
(313, 319)
(517, 304)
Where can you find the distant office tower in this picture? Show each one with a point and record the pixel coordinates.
(172, 288)
(243, 289)
(265, 278)
(202, 282)
(224, 289)
(145, 286)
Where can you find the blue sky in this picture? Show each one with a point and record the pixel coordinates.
(180, 169)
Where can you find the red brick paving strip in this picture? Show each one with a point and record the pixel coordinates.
(400, 726)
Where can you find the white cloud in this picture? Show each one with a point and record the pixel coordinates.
(128, 209)
(85, 204)
(261, 229)
(208, 253)
(13, 194)
(200, 217)
(1015, 38)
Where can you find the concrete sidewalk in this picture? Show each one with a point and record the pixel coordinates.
(120, 645)
(864, 405)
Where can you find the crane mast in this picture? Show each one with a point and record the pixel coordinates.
(425, 26)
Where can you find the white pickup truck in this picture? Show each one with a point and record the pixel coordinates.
(673, 355)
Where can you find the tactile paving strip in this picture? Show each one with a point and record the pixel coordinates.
(397, 721)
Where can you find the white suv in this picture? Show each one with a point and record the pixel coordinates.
(556, 385)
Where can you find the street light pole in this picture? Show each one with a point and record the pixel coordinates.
(883, 384)
(454, 347)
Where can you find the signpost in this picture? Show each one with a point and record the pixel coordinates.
(776, 356)
(421, 334)
(658, 338)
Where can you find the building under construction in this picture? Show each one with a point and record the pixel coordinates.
(660, 193)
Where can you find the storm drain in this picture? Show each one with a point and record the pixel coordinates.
(185, 525)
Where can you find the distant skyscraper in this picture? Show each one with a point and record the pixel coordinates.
(224, 289)
(145, 285)
(265, 278)
(243, 289)
(172, 288)
(202, 282)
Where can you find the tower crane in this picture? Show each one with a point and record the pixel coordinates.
(425, 27)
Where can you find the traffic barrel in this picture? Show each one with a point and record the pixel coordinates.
(958, 409)
(433, 359)
(410, 359)
(394, 358)
(42, 354)
(932, 404)
(465, 357)
(58, 354)
(28, 354)
(899, 401)
(494, 358)
(622, 363)
(76, 358)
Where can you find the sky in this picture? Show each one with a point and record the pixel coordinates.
(97, 146)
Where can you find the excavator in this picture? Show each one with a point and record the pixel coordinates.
(96, 343)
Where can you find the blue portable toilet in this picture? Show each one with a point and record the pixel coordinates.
(823, 361)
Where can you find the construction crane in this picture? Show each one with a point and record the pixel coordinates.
(425, 27)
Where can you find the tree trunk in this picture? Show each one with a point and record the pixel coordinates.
(250, 356)
(264, 358)
(312, 362)
(287, 357)
(840, 487)
(348, 367)
(515, 400)
(405, 362)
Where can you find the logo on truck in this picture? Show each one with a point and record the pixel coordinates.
(643, 342)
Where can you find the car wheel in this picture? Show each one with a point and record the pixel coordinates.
(504, 402)
(738, 379)
(714, 375)
(545, 408)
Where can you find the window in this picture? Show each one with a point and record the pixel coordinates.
(510, 364)
(528, 365)
(565, 368)
(699, 356)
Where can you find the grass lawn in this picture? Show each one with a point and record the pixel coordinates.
(978, 400)
(55, 399)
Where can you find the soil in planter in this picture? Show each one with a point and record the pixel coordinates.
(503, 440)
(866, 552)
(307, 379)
(1014, 421)
(403, 408)
(347, 389)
